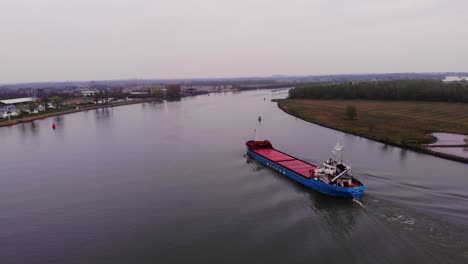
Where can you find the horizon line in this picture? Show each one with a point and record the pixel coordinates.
(229, 78)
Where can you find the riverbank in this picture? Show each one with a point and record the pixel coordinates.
(403, 124)
(74, 110)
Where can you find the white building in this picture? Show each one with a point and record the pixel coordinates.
(10, 105)
(89, 92)
(455, 79)
(139, 92)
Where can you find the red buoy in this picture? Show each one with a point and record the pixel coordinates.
(53, 126)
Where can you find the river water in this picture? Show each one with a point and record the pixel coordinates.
(451, 139)
(170, 183)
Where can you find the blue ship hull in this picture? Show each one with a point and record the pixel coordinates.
(333, 190)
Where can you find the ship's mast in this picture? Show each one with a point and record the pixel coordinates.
(338, 148)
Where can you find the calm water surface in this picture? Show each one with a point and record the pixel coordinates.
(169, 183)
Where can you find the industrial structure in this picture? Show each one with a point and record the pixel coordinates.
(12, 105)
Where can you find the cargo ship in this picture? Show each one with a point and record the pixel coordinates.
(332, 178)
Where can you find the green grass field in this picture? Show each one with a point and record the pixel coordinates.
(401, 123)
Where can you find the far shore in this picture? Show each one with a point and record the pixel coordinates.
(393, 129)
(70, 111)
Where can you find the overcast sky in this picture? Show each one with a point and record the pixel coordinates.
(58, 40)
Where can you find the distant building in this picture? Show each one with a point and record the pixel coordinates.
(455, 79)
(139, 92)
(89, 92)
(12, 104)
(190, 91)
(41, 108)
(193, 91)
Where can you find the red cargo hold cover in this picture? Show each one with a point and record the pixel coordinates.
(273, 155)
(298, 166)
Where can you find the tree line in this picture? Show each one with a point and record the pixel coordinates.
(402, 90)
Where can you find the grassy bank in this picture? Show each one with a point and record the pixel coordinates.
(67, 110)
(404, 124)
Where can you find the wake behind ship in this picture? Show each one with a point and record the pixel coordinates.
(332, 178)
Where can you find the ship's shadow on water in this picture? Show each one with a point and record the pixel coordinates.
(370, 217)
(339, 214)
